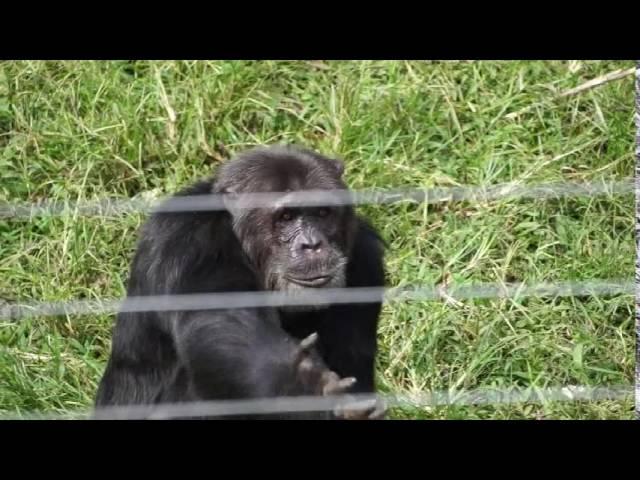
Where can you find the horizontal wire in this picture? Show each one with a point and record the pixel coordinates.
(353, 295)
(311, 198)
(263, 406)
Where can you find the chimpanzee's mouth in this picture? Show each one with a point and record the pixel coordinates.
(318, 281)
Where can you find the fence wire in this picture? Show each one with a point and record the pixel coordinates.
(353, 295)
(310, 198)
(279, 405)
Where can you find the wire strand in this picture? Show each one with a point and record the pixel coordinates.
(310, 198)
(264, 406)
(232, 300)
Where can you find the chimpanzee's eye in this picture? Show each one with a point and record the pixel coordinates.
(323, 212)
(286, 216)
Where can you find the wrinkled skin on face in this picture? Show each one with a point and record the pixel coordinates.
(291, 248)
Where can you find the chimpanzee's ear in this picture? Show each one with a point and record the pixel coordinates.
(228, 195)
(226, 189)
(338, 165)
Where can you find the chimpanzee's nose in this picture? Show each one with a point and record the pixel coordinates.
(310, 242)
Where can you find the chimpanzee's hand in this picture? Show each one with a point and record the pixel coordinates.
(318, 378)
(313, 374)
(362, 410)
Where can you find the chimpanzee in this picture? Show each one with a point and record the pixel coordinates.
(166, 357)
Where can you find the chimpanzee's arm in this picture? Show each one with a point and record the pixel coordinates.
(245, 354)
(349, 333)
(349, 344)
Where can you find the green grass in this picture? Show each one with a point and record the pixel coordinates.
(84, 130)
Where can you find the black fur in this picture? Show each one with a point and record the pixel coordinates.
(162, 357)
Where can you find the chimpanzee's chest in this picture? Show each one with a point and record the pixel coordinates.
(301, 325)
